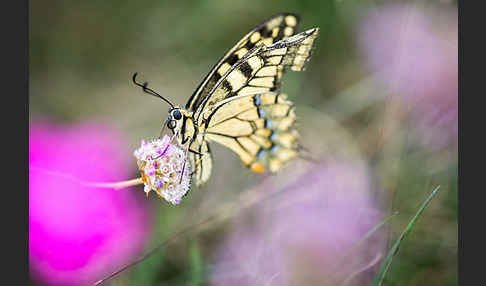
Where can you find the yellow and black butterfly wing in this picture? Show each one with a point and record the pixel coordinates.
(245, 110)
(270, 31)
(258, 128)
(260, 70)
(201, 160)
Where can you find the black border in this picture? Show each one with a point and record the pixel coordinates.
(469, 273)
(15, 120)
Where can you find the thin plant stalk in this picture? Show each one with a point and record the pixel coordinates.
(385, 266)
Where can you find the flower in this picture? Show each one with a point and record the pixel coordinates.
(303, 235)
(416, 56)
(80, 234)
(164, 169)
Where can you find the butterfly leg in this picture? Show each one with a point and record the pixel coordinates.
(163, 128)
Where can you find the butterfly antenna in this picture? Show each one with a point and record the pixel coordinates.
(149, 90)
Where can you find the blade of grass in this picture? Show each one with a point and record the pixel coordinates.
(367, 235)
(378, 281)
(377, 227)
(342, 259)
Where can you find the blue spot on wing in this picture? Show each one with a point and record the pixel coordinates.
(261, 113)
(274, 148)
(257, 100)
(260, 153)
(274, 136)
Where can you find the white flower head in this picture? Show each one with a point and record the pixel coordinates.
(164, 169)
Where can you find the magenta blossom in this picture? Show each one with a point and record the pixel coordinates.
(415, 53)
(307, 234)
(79, 234)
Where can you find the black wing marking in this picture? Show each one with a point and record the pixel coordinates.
(275, 28)
(201, 162)
(260, 70)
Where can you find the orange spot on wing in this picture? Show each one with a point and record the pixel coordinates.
(257, 167)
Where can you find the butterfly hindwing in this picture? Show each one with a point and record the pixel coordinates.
(201, 161)
(270, 31)
(258, 128)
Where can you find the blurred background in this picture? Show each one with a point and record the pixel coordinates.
(377, 104)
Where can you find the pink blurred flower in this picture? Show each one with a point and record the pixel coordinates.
(78, 234)
(416, 53)
(302, 236)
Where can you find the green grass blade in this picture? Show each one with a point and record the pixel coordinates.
(341, 260)
(367, 235)
(377, 227)
(378, 281)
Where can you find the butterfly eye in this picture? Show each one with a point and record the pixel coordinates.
(177, 114)
(171, 124)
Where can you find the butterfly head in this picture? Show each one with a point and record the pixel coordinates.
(174, 121)
(177, 122)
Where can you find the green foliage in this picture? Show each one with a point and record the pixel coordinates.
(378, 281)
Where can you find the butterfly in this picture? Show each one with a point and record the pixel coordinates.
(239, 104)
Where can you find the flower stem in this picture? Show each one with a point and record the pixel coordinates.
(115, 185)
(108, 185)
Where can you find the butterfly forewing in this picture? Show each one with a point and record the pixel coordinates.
(270, 31)
(260, 70)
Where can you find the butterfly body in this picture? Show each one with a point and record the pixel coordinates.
(239, 104)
